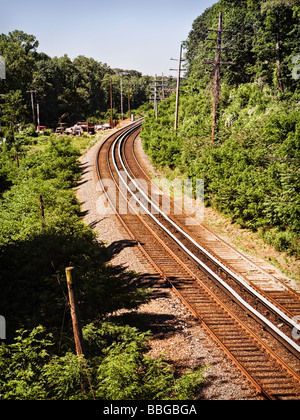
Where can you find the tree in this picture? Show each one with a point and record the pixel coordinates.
(19, 51)
(273, 8)
(265, 37)
(13, 112)
(88, 83)
(48, 82)
(79, 87)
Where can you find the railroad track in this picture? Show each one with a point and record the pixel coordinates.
(251, 326)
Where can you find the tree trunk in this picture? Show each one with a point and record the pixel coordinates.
(278, 54)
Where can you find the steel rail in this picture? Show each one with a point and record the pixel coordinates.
(258, 387)
(248, 287)
(290, 344)
(141, 174)
(242, 256)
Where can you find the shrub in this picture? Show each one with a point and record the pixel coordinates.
(245, 171)
(118, 370)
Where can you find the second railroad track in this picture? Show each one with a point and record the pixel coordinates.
(247, 310)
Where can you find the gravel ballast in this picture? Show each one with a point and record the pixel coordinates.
(176, 333)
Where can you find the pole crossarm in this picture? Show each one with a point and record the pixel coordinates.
(220, 62)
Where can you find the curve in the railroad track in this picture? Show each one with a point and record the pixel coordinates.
(248, 323)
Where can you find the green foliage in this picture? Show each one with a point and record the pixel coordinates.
(50, 175)
(126, 373)
(34, 252)
(116, 369)
(19, 51)
(265, 35)
(21, 365)
(33, 255)
(13, 113)
(79, 87)
(252, 172)
(65, 378)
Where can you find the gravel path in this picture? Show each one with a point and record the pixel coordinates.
(176, 333)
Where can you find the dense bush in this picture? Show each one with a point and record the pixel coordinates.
(115, 368)
(34, 253)
(252, 171)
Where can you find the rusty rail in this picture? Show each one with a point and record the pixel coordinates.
(186, 281)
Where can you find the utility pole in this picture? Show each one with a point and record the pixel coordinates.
(129, 110)
(217, 76)
(177, 90)
(163, 87)
(122, 107)
(38, 114)
(178, 86)
(158, 84)
(111, 105)
(32, 105)
(155, 97)
(74, 310)
(217, 71)
(2, 68)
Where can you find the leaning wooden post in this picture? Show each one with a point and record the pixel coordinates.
(74, 310)
(42, 212)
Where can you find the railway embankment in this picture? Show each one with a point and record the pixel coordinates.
(270, 284)
(175, 332)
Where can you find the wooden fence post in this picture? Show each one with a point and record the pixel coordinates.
(42, 211)
(74, 310)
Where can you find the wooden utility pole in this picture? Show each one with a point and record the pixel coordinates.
(32, 105)
(111, 105)
(74, 310)
(129, 110)
(278, 53)
(217, 77)
(157, 87)
(122, 107)
(217, 71)
(155, 97)
(38, 114)
(163, 97)
(178, 88)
